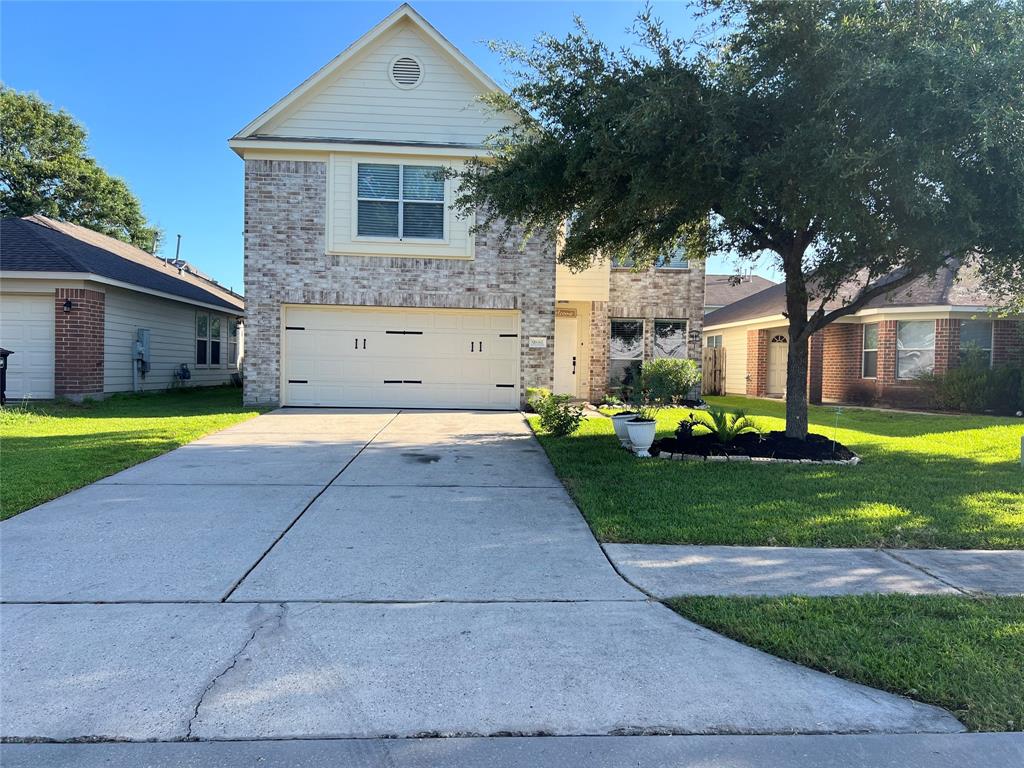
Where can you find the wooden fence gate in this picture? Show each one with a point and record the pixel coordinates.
(713, 371)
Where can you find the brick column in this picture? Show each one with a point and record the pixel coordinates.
(1007, 341)
(757, 363)
(947, 344)
(815, 359)
(600, 331)
(78, 342)
(886, 354)
(842, 363)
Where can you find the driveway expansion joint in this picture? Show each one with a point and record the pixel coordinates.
(892, 553)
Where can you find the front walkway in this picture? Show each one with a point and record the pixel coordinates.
(367, 574)
(669, 570)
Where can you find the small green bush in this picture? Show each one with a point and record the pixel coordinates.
(534, 395)
(559, 416)
(668, 380)
(726, 426)
(974, 387)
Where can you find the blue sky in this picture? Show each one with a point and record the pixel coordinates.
(160, 87)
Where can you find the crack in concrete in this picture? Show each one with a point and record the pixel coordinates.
(892, 553)
(276, 618)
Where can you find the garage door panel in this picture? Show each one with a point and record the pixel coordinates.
(26, 328)
(432, 358)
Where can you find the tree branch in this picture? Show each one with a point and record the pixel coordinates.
(821, 318)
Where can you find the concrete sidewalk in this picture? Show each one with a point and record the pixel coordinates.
(976, 750)
(668, 570)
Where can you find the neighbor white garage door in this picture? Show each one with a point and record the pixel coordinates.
(26, 328)
(410, 358)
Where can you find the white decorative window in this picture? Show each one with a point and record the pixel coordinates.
(404, 202)
(976, 338)
(670, 338)
(625, 352)
(869, 355)
(915, 348)
(714, 341)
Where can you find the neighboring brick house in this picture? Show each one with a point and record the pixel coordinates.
(72, 304)
(365, 288)
(722, 290)
(873, 355)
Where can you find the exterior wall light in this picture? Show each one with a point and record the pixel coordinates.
(68, 306)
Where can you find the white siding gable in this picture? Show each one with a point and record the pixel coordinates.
(361, 102)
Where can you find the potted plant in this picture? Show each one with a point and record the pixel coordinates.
(619, 421)
(641, 429)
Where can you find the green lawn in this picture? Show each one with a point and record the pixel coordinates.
(963, 654)
(49, 449)
(925, 481)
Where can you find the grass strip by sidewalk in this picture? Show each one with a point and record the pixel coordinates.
(963, 654)
(49, 449)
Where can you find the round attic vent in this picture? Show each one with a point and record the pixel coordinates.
(406, 72)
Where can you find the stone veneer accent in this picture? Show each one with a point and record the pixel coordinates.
(78, 342)
(286, 263)
(654, 294)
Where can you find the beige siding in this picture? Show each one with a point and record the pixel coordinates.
(342, 212)
(589, 285)
(361, 102)
(172, 342)
(734, 340)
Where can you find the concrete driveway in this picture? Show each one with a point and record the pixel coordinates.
(330, 573)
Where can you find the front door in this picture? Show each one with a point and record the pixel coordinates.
(778, 355)
(566, 343)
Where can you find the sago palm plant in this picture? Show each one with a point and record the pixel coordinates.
(726, 426)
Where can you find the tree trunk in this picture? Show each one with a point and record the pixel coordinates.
(796, 383)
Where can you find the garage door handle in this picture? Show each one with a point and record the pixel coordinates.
(472, 346)
(364, 343)
(481, 346)
(574, 365)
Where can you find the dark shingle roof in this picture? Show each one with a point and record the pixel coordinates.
(39, 244)
(721, 290)
(950, 286)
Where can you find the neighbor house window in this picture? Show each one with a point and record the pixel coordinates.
(233, 343)
(625, 353)
(869, 358)
(670, 338)
(915, 348)
(715, 341)
(976, 340)
(400, 201)
(208, 339)
(674, 259)
(202, 338)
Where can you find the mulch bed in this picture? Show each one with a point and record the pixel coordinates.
(773, 445)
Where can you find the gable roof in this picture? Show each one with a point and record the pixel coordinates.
(40, 244)
(952, 286)
(404, 12)
(720, 290)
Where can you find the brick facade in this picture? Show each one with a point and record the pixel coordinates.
(841, 363)
(286, 263)
(654, 294)
(947, 344)
(1008, 341)
(78, 342)
(815, 363)
(757, 362)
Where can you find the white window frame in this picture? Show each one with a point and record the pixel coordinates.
(710, 343)
(219, 339)
(356, 199)
(209, 339)
(197, 338)
(991, 340)
(931, 349)
(864, 348)
(232, 342)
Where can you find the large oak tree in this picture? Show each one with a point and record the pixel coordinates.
(868, 139)
(44, 168)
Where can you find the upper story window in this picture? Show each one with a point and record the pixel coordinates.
(976, 341)
(674, 259)
(915, 348)
(404, 202)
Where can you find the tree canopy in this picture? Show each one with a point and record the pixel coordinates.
(843, 138)
(44, 168)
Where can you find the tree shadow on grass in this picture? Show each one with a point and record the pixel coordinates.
(892, 499)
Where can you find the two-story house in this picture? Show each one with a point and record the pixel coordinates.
(365, 288)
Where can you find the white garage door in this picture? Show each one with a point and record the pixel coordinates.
(26, 328)
(410, 358)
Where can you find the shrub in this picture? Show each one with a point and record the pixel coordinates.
(667, 380)
(558, 415)
(535, 395)
(726, 426)
(973, 386)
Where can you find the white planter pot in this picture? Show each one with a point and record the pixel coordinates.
(641, 435)
(619, 421)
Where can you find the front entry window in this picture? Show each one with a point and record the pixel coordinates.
(625, 353)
